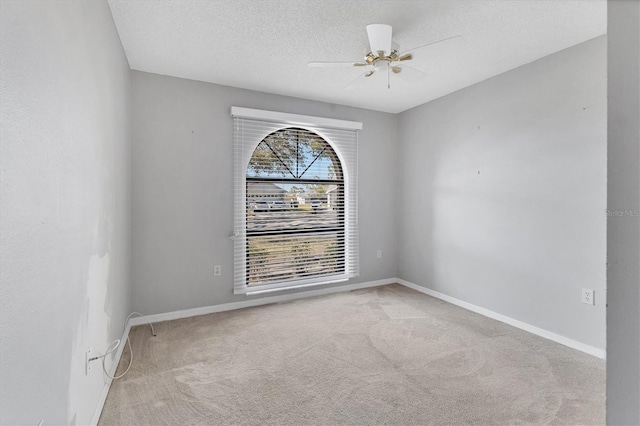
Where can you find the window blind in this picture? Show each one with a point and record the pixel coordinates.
(295, 203)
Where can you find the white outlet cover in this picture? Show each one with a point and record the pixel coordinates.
(87, 368)
(588, 296)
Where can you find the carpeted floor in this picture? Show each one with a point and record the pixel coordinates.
(385, 355)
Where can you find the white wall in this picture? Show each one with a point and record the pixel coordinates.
(182, 191)
(623, 231)
(64, 221)
(503, 193)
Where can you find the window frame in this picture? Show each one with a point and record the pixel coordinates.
(267, 122)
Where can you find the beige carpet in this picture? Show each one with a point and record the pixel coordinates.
(386, 355)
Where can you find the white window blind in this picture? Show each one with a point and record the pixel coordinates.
(295, 201)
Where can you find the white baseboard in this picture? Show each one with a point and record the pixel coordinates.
(186, 313)
(591, 350)
(112, 372)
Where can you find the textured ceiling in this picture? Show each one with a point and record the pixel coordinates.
(266, 45)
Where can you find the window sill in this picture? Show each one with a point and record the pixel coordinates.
(281, 287)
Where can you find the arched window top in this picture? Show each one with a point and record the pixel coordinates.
(295, 154)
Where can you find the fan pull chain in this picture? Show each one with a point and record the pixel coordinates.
(388, 82)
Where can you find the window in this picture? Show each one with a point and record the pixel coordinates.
(295, 201)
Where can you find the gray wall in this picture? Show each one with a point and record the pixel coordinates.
(623, 236)
(64, 221)
(182, 189)
(503, 193)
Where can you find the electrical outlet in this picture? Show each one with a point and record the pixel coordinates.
(87, 366)
(217, 271)
(588, 296)
(379, 254)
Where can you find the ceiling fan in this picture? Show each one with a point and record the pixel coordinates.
(384, 56)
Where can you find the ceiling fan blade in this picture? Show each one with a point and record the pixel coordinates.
(379, 37)
(435, 49)
(335, 64)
